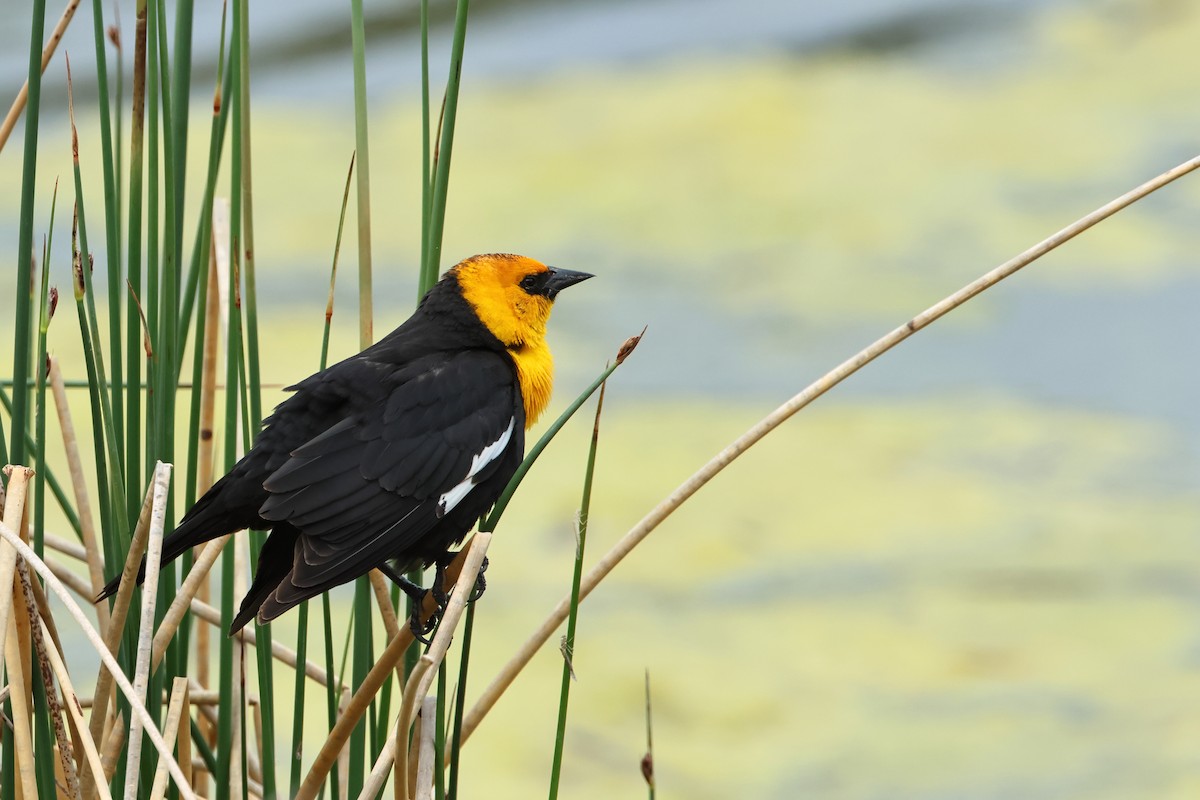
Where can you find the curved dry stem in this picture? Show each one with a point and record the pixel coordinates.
(14, 511)
(370, 686)
(18, 106)
(110, 662)
(177, 710)
(141, 676)
(15, 660)
(425, 671)
(183, 598)
(83, 506)
(832, 378)
(426, 755)
(120, 608)
(66, 748)
(74, 708)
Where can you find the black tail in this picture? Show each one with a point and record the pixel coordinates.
(275, 562)
(209, 518)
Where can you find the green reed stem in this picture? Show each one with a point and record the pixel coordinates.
(427, 276)
(489, 522)
(110, 163)
(331, 697)
(568, 647)
(22, 328)
(361, 145)
(363, 645)
(439, 735)
(295, 754)
(150, 298)
(201, 248)
(229, 671)
(114, 514)
(133, 331)
(180, 89)
(41, 363)
(460, 701)
(441, 178)
(43, 737)
(98, 398)
(242, 150)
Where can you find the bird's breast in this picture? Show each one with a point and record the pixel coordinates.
(535, 374)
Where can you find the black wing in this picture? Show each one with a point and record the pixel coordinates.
(372, 486)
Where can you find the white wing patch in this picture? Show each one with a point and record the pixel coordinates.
(487, 455)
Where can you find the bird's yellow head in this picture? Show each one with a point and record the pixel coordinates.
(512, 295)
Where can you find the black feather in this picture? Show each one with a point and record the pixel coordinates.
(349, 471)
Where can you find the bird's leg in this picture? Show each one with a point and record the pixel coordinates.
(439, 580)
(417, 595)
(480, 582)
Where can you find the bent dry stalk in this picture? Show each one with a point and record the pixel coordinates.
(777, 417)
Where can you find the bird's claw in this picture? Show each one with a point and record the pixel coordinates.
(480, 583)
(421, 629)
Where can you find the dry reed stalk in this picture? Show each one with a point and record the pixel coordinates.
(281, 652)
(167, 628)
(379, 583)
(14, 511)
(343, 757)
(405, 782)
(65, 546)
(256, 760)
(832, 378)
(18, 106)
(60, 780)
(391, 625)
(425, 751)
(141, 674)
(14, 659)
(83, 506)
(72, 581)
(332, 750)
(98, 644)
(20, 614)
(196, 578)
(196, 697)
(202, 611)
(207, 443)
(46, 619)
(98, 783)
(183, 747)
(425, 670)
(65, 747)
(177, 709)
(120, 607)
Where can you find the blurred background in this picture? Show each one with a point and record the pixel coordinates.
(970, 572)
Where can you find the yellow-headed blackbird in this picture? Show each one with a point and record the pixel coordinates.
(387, 459)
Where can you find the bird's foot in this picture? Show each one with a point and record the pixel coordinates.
(421, 628)
(480, 583)
(439, 585)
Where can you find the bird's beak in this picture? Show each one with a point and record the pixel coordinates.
(561, 279)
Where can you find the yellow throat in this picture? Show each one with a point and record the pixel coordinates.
(491, 284)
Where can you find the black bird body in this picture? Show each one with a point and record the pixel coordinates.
(391, 455)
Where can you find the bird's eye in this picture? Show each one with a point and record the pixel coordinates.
(529, 283)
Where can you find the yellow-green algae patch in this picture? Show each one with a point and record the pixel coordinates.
(874, 602)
